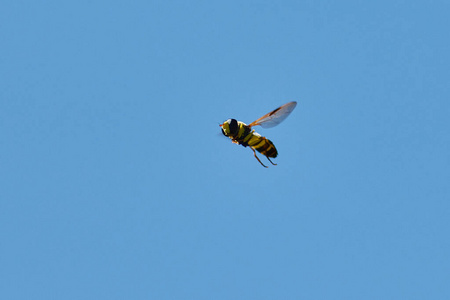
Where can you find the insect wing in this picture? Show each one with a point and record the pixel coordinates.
(276, 116)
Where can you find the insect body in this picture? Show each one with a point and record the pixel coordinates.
(242, 134)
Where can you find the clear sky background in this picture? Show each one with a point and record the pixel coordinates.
(116, 183)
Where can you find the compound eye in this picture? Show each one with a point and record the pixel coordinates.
(233, 126)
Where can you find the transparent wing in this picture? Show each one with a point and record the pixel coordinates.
(276, 116)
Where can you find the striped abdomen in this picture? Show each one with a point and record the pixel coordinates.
(247, 137)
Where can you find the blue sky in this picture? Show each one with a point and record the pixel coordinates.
(117, 184)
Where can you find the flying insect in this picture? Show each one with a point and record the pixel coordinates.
(243, 134)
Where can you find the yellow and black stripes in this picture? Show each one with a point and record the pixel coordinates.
(263, 145)
(242, 134)
(248, 137)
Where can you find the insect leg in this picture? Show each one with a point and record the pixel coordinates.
(254, 153)
(271, 161)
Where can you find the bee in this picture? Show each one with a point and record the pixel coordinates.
(242, 134)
